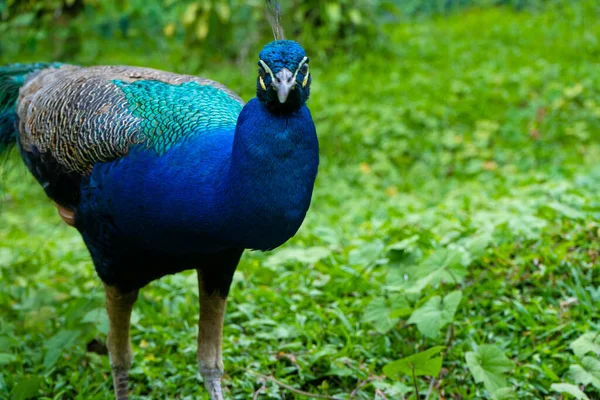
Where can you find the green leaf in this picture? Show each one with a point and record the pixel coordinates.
(592, 365)
(505, 393)
(202, 27)
(587, 373)
(303, 255)
(99, 318)
(567, 211)
(7, 358)
(529, 226)
(395, 389)
(55, 345)
(355, 17)
(549, 373)
(587, 343)
(422, 363)
(400, 308)
(26, 389)
(223, 11)
(444, 265)
(569, 389)
(334, 12)
(477, 245)
(189, 16)
(366, 253)
(436, 313)
(408, 244)
(488, 365)
(383, 313)
(23, 20)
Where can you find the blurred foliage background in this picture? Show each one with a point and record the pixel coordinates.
(455, 223)
(192, 31)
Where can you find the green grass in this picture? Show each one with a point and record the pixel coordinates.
(467, 154)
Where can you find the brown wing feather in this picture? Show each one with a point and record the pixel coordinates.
(80, 116)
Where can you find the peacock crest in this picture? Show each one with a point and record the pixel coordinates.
(274, 17)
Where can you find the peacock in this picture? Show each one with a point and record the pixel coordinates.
(161, 173)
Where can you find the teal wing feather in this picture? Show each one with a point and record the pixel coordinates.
(82, 116)
(168, 114)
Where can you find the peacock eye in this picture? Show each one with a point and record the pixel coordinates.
(261, 72)
(304, 69)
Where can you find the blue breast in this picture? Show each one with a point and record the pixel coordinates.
(248, 187)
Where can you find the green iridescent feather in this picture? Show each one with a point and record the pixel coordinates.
(171, 113)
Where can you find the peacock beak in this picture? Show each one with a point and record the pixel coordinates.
(284, 82)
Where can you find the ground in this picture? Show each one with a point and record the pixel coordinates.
(457, 205)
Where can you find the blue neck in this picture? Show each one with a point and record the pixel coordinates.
(271, 177)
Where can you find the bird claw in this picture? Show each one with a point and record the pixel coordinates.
(212, 379)
(213, 386)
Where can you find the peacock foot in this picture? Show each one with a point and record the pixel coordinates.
(212, 380)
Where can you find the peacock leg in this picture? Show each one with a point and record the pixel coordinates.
(119, 306)
(210, 335)
(213, 287)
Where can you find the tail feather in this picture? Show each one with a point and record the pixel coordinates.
(12, 77)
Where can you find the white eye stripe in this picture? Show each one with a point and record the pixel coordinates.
(304, 61)
(267, 69)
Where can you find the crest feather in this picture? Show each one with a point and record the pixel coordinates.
(274, 16)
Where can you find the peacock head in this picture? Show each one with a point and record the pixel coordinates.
(283, 83)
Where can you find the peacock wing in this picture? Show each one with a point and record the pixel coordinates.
(75, 117)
